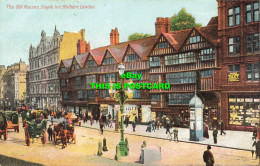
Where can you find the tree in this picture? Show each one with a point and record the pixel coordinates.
(136, 36)
(183, 20)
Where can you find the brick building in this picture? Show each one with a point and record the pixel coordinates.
(2, 72)
(238, 30)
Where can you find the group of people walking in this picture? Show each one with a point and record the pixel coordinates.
(215, 131)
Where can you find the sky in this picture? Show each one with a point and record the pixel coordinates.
(19, 28)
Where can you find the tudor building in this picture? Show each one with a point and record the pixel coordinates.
(219, 61)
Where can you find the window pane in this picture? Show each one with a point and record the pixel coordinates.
(256, 5)
(230, 11)
(231, 41)
(249, 76)
(230, 68)
(256, 15)
(256, 75)
(231, 49)
(237, 10)
(248, 7)
(237, 67)
(248, 17)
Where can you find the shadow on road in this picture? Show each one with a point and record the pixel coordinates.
(6, 161)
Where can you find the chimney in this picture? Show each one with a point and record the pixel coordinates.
(114, 37)
(162, 25)
(82, 47)
(88, 47)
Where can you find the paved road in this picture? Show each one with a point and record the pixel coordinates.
(84, 152)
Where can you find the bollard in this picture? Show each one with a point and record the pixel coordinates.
(105, 144)
(99, 153)
(126, 141)
(144, 144)
(117, 156)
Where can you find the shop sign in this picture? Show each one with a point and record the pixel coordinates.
(233, 77)
(256, 100)
(232, 100)
(240, 100)
(248, 99)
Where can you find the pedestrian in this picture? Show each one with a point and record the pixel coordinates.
(206, 131)
(208, 157)
(133, 124)
(84, 118)
(257, 149)
(175, 132)
(127, 120)
(253, 146)
(101, 125)
(167, 128)
(254, 133)
(153, 125)
(109, 116)
(91, 120)
(111, 122)
(215, 135)
(52, 120)
(222, 128)
(50, 133)
(149, 127)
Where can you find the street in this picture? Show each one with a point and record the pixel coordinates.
(84, 152)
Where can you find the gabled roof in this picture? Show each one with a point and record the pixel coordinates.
(209, 33)
(67, 63)
(213, 20)
(81, 59)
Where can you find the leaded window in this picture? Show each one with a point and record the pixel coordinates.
(207, 54)
(233, 16)
(252, 12)
(112, 76)
(91, 93)
(91, 63)
(207, 73)
(80, 94)
(252, 71)
(131, 57)
(252, 42)
(180, 98)
(137, 94)
(154, 61)
(234, 45)
(195, 39)
(155, 97)
(78, 81)
(163, 45)
(181, 78)
(188, 57)
(109, 61)
(63, 82)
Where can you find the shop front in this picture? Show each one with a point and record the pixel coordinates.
(243, 111)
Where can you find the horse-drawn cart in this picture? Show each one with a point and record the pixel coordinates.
(12, 120)
(35, 126)
(3, 126)
(63, 133)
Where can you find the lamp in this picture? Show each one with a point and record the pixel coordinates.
(121, 69)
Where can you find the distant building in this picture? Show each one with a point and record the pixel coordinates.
(15, 84)
(2, 72)
(44, 61)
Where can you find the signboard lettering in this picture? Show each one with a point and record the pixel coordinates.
(233, 77)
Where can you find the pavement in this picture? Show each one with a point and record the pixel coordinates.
(239, 140)
(84, 152)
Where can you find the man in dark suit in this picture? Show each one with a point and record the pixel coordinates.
(50, 133)
(208, 157)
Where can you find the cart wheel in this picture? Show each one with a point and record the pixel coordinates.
(74, 137)
(6, 135)
(44, 137)
(27, 138)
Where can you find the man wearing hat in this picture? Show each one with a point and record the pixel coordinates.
(208, 157)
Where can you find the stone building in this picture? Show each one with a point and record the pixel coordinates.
(15, 84)
(44, 61)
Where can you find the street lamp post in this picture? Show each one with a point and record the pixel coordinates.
(122, 95)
